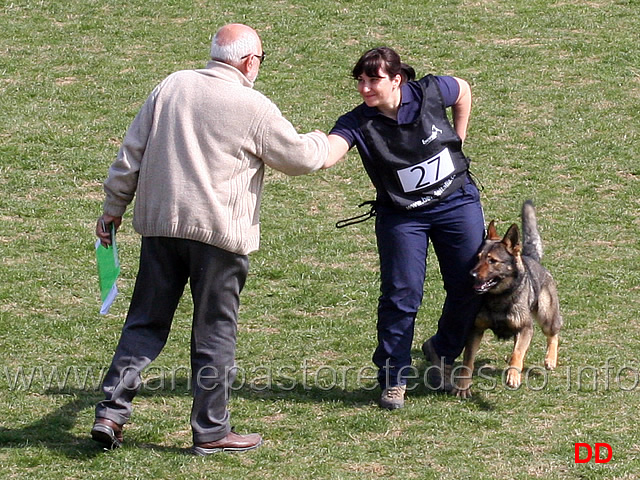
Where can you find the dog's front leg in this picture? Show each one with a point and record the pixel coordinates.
(462, 382)
(516, 362)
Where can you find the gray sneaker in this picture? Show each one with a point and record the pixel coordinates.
(393, 397)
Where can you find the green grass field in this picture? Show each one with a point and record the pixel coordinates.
(556, 93)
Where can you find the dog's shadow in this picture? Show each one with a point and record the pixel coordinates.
(419, 386)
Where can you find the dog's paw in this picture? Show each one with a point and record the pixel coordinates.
(464, 394)
(513, 378)
(462, 388)
(550, 363)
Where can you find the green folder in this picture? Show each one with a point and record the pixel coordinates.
(108, 271)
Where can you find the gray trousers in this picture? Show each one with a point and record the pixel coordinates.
(216, 279)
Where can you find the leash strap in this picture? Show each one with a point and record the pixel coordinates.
(476, 181)
(359, 218)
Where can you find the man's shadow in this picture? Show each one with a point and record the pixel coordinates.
(54, 430)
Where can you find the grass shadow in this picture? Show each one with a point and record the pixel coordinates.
(299, 393)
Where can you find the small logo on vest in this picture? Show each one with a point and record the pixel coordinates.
(434, 134)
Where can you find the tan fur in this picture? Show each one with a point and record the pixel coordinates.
(517, 290)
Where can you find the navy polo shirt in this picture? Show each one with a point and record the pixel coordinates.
(410, 104)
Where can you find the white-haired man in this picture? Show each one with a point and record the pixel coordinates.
(194, 158)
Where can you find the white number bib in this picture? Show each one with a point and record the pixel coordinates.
(426, 173)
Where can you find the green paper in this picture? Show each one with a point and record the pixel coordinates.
(108, 271)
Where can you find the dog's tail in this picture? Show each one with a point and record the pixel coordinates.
(531, 241)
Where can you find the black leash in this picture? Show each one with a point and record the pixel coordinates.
(476, 181)
(372, 210)
(359, 218)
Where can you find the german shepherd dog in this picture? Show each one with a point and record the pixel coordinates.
(516, 289)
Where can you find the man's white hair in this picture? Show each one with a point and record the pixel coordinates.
(232, 53)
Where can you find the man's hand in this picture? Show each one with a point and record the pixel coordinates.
(103, 228)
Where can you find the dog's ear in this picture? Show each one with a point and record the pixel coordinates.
(492, 233)
(512, 239)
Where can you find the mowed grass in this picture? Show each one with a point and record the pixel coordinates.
(556, 91)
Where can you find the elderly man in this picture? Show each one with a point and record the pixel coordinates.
(194, 158)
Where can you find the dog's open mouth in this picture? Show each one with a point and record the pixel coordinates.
(484, 287)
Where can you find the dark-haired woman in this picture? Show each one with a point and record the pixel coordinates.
(413, 156)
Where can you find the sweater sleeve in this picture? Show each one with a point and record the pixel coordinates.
(122, 179)
(284, 149)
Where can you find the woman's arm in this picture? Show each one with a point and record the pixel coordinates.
(462, 108)
(338, 147)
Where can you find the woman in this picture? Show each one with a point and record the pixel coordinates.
(414, 158)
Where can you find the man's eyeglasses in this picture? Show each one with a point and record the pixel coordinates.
(259, 57)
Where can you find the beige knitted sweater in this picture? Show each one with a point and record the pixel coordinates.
(194, 158)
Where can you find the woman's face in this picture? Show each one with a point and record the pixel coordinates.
(379, 90)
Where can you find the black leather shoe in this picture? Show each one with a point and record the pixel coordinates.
(107, 432)
(231, 443)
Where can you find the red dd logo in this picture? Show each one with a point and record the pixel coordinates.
(581, 447)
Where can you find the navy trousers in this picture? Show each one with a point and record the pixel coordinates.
(216, 278)
(455, 226)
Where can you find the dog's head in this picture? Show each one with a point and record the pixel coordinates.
(496, 269)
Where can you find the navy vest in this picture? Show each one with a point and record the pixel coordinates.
(416, 164)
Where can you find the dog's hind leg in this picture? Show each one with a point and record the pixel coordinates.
(551, 358)
(550, 320)
(516, 362)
